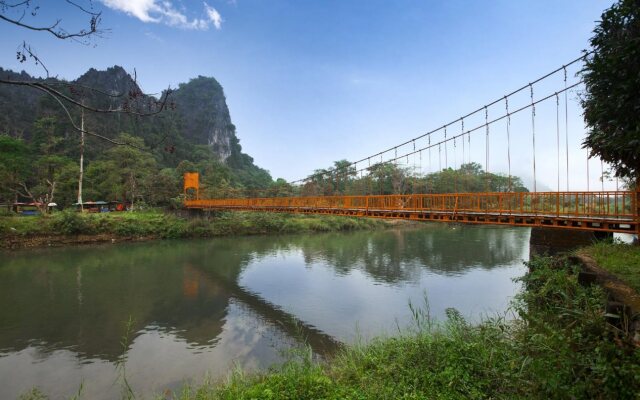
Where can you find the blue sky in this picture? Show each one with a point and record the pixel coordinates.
(310, 82)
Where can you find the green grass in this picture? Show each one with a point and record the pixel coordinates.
(155, 223)
(559, 347)
(620, 259)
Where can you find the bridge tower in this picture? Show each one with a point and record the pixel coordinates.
(191, 181)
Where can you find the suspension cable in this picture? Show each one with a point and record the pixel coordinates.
(468, 132)
(479, 109)
(533, 134)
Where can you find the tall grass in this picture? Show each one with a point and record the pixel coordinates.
(622, 260)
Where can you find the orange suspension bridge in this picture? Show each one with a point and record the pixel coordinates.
(603, 210)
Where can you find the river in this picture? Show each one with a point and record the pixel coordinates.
(200, 308)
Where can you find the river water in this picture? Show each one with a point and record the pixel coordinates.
(200, 308)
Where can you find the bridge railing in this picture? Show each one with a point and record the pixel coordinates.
(604, 204)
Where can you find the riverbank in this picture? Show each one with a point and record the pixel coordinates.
(619, 259)
(559, 346)
(69, 228)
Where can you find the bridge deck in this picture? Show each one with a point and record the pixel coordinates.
(595, 211)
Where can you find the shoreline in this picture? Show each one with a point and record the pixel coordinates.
(67, 229)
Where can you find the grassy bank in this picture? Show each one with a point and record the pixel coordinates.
(559, 347)
(620, 259)
(156, 224)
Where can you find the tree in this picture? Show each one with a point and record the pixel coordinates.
(124, 173)
(14, 166)
(612, 89)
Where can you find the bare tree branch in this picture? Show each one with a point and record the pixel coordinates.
(59, 32)
(30, 52)
(9, 12)
(73, 3)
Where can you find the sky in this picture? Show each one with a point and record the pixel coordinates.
(311, 82)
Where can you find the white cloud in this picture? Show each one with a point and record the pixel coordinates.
(214, 16)
(163, 11)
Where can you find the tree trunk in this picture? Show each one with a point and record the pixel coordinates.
(80, 177)
(133, 190)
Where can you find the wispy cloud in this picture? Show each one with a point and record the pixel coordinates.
(214, 16)
(163, 11)
(153, 36)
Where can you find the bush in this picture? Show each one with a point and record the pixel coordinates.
(71, 223)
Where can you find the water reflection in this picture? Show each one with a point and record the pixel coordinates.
(201, 306)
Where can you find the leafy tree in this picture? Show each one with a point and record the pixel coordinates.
(14, 166)
(124, 172)
(162, 187)
(612, 82)
(281, 188)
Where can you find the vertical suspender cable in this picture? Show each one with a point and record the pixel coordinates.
(462, 135)
(558, 135)
(566, 122)
(506, 106)
(369, 176)
(463, 152)
(469, 146)
(413, 172)
(455, 167)
(588, 178)
(486, 149)
(602, 174)
(420, 174)
(446, 153)
(533, 134)
(395, 162)
(430, 177)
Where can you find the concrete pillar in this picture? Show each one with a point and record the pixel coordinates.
(550, 241)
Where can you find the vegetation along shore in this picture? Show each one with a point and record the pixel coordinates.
(70, 227)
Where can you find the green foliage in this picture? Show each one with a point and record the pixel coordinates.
(14, 165)
(390, 178)
(611, 102)
(156, 224)
(620, 259)
(71, 223)
(173, 142)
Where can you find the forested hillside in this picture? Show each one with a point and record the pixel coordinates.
(40, 149)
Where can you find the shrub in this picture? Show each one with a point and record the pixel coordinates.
(70, 222)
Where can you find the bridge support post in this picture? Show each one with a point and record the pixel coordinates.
(550, 241)
(637, 241)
